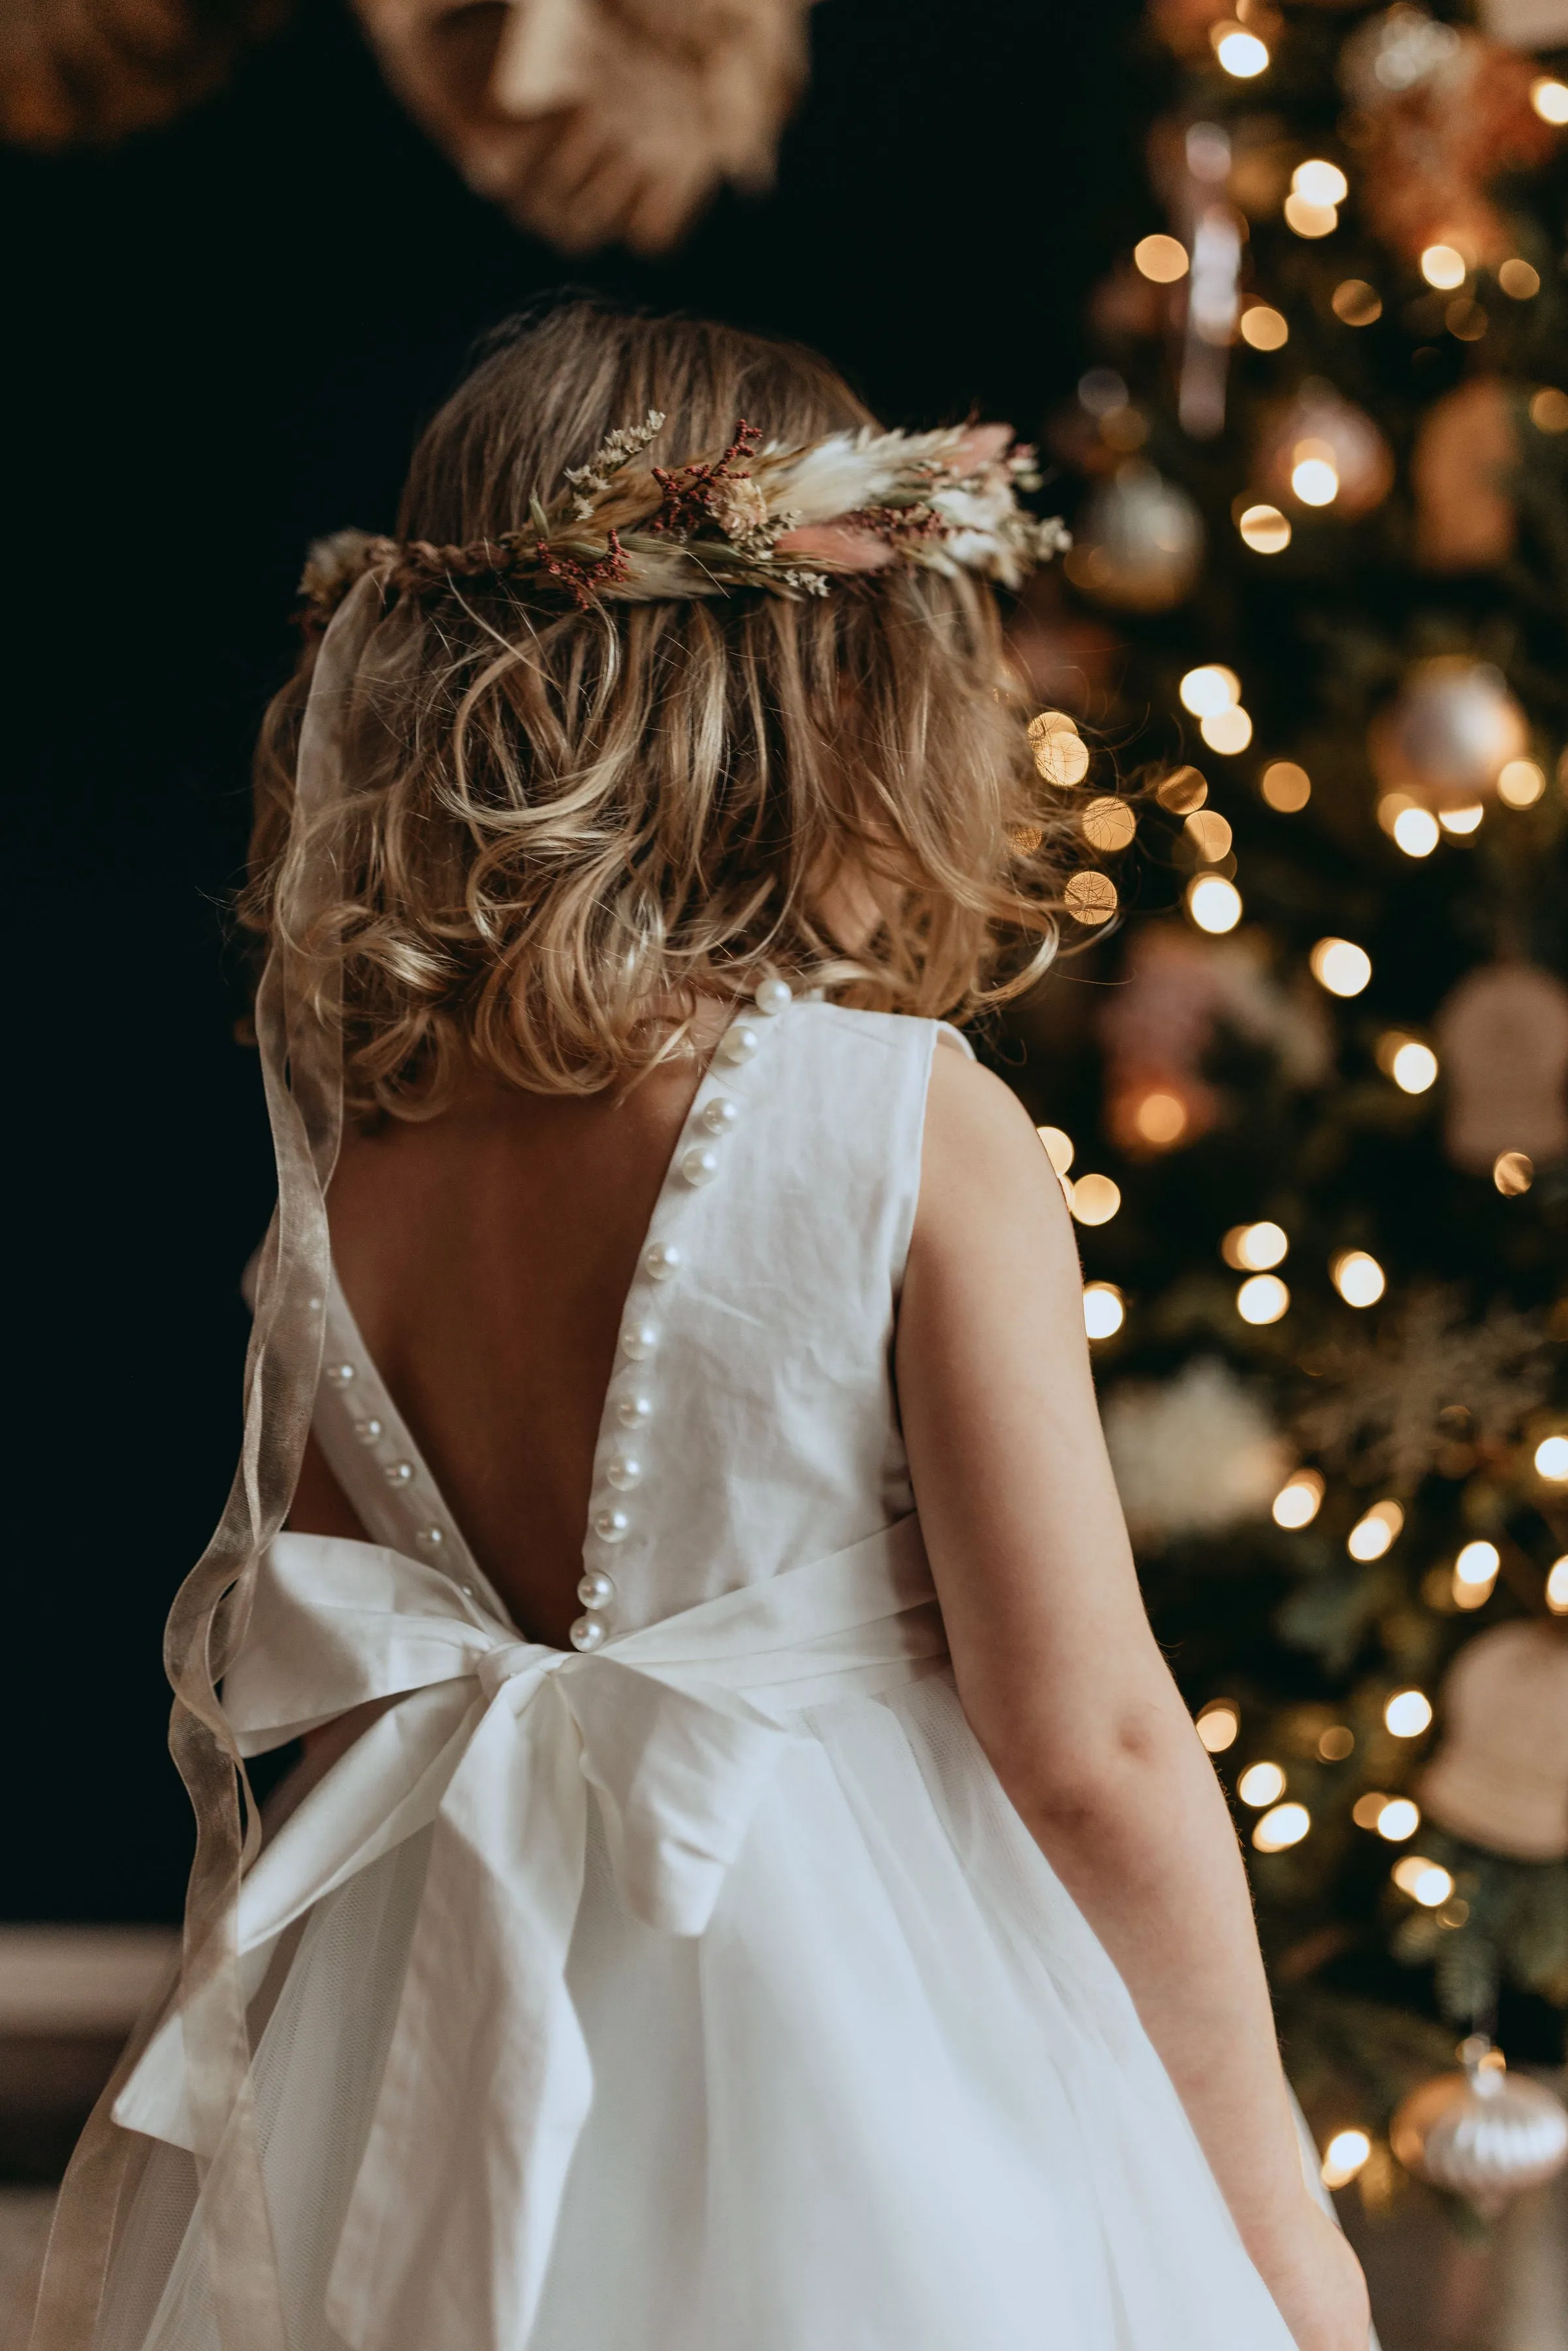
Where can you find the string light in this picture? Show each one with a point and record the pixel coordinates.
(1209, 834)
(1344, 2156)
(1266, 329)
(1355, 303)
(1520, 784)
(1308, 219)
(1264, 1298)
(1095, 1199)
(1208, 690)
(1240, 53)
(1214, 903)
(1260, 1784)
(1549, 409)
(1228, 731)
(1161, 259)
(1314, 475)
(1253, 1248)
(1298, 1501)
(1552, 1460)
(1104, 1310)
(1465, 320)
(1089, 898)
(1160, 1118)
(1264, 528)
(1557, 1586)
(1320, 183)
(1518, 280)
(1414, 828)
(1337, 1741)
(1475, 1573)
(1412, 1065)
(1398, 1819)
(1109, 824)
(1443, 266)
(1358, 1278)
(1407, 1713)
(1181, 792)
(1425, 1881)
(1549, 97)
(1286, 787)
(1340, 966)
(1061, 754)
(1461, 821)
(1367, 1810)
(1058, 1145)
(1513, 1172)
(1374, 1531)
(1217, 1724)
(1287, 1825)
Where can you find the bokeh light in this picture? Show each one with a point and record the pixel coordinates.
(1217, 1724)
(1299, 1498)
(1105, 1310)
(1358, 1278)
(1340, 966)
(1214, 903)
(1286, 787)
(1287, 1825)
(1407, 1713)
(1264, 1298)
(1260, 1783)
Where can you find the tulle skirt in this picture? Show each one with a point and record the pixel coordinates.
(896, 2098)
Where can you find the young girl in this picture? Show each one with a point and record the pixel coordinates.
(796, 1913)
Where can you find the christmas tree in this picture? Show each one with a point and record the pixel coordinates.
(1306, 1096)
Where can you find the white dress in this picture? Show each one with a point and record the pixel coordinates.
(697, 1990)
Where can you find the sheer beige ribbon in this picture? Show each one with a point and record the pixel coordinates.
(301, 1062)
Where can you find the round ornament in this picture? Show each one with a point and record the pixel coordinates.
(1321, 453)
(1485, 2133)
(1499, 1779)
(1502, 1036)
(1138, 542)
(1450, 733)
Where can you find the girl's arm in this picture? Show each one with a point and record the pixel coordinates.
(1060, 1675)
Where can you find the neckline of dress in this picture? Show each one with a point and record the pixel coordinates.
(437, 1536)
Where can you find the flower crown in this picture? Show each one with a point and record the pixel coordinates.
(787, 520)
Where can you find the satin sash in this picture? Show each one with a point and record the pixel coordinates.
(496, 1744)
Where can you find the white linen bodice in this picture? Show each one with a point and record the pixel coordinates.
(751, 1423)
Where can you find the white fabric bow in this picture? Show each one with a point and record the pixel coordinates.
(496, 1742)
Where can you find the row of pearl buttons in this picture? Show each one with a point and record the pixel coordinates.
(398, 1475)
(697, 1165)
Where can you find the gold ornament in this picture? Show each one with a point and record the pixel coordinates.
(1502, 1042)
(1320, 452)
(1499, 1778)
(1448, 738)
(1484, 2134)
(1138, 542)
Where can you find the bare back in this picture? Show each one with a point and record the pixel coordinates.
(486, 1255)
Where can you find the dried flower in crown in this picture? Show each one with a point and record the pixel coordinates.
(787, 521)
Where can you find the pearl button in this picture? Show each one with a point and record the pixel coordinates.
(623, 1471)
(398, 1473)
(315, 1304)
(589, 1633)
(633, 1411)
(612, 1526)
(339, 1374)
(737, 1045)
(368, 1431)
(718, 1116)
(662, 1261)
(699, 1165)
(430, 1538)
(596, 1591)
(638, 1341)
(773, 996)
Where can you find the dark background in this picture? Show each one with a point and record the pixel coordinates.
(222, 340)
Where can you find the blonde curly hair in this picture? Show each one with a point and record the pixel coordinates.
(563, 828)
